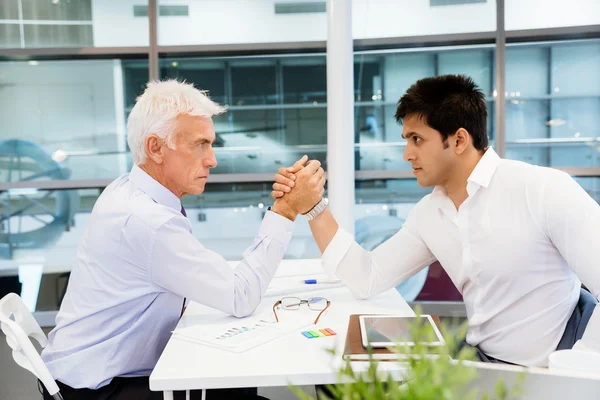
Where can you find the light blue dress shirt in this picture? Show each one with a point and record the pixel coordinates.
(135, 263)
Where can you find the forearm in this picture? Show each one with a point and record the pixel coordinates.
(282, 208)
(323, 228)
(259, 263)
(367, 273)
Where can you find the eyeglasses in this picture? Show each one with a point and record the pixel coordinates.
(293, 303)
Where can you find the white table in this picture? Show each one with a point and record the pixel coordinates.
(291, 359)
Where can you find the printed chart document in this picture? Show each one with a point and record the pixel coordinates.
(242, 334)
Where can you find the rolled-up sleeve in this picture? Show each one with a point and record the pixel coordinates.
(179, 263)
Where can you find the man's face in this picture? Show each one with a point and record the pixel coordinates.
(431, 159)
(187, 167)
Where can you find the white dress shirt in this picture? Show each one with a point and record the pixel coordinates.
(514, 249)
(135, 263)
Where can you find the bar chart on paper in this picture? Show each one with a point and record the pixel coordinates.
(243, 334)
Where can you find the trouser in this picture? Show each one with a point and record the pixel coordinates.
(138, 388)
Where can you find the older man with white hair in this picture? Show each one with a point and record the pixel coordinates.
(138, 261)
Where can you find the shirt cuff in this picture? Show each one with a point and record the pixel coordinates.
(277, 227)
(336, 250)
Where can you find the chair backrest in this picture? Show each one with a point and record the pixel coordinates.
(17, 336)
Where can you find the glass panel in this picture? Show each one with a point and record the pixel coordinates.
(58, 36)
(539, 14)
(377, 134)
(527, 71)
(9, 9)
(64, 119)
(72, 10)
(255, 140)
(304, 80)
(478, 64)
(10, 36)
(381, 145)
(135, 79)
(403, 69)
(259, 133)
(206, 74)
(575, 69)
(553, 93)
(253, 82)
(367, 78)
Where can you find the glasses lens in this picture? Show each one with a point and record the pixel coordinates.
(317, 303)
(290, 303)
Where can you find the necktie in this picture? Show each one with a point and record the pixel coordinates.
(183, 305)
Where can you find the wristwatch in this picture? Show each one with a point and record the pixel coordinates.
(316, 210)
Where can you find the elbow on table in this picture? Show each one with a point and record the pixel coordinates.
(361, 294)
(244, 309)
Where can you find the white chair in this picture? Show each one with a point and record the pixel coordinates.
(17, 333)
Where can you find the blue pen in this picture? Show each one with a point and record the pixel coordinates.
(322, 281)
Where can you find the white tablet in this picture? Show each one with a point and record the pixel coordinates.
(394, 330)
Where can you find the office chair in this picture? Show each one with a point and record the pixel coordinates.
(17, 333)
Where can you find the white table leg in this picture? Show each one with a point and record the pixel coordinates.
(168, 395)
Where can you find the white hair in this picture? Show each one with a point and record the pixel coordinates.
(156, 110)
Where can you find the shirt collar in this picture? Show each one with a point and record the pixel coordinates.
(152, 188)
(485, 168)
(480, 177)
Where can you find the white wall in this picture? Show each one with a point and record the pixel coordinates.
(254, 21)
(115, 25)
(391, 18)
(67, 105)
(536, 14)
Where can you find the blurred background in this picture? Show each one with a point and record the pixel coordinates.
(70, 71)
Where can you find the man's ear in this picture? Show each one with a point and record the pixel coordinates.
(460, 140)
(154, 147)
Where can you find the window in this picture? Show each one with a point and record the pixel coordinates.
(553, 98)
(66, 119)
(276, 108)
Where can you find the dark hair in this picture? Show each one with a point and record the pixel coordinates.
(448, 103)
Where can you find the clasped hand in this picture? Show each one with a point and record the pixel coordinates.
(300, 186)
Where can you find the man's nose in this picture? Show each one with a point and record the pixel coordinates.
(211, 159)
(408, 154)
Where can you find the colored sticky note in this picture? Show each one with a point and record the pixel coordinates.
(330, 331)
(314, 333)
(307, 334)
(325, 332)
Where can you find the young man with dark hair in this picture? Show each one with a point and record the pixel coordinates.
(516, 239)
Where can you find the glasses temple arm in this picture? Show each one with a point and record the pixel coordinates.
(275, 312)
(322, 311)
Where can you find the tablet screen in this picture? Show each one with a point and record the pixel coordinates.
(397, 330)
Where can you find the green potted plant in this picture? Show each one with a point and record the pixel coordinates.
(444, 376)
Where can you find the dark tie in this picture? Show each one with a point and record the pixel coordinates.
(183, 306)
